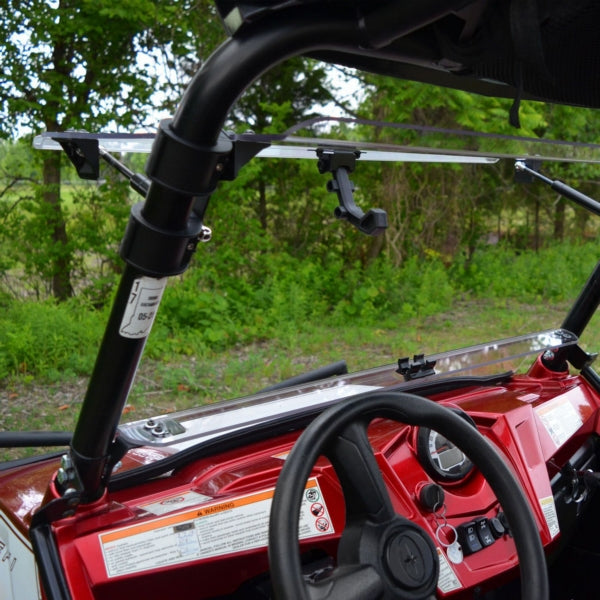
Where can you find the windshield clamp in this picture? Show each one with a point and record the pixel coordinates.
(416, 368)
(340, 162)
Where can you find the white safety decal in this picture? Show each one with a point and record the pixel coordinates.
(219, 528)
(560, 419)
(549, 510)
(447, 581)
(18, 571)
(144, 298)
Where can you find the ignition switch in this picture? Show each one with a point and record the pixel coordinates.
(431, 496)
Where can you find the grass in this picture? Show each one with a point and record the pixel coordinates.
(161, 387)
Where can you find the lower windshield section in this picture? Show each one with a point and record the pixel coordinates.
(186, 428)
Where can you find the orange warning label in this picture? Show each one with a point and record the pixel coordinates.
(208, 530)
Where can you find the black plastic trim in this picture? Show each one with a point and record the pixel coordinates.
(48, 561)
(158, 252)
(181, 172)
(34, 439)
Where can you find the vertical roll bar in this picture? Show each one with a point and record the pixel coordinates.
(163, 231)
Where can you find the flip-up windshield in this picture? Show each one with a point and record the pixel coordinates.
(404, 143)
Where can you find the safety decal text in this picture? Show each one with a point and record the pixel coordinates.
(214, 529)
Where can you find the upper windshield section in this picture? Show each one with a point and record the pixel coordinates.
(186, 428)
(403, 142)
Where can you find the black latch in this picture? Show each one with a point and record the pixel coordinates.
(416, 368)
(83, 152)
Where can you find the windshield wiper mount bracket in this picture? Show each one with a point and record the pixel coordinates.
(339, 162)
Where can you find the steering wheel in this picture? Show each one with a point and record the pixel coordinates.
(382, 554)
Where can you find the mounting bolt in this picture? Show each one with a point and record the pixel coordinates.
(66, 471)
(72, 501)
(205, 234)
(61, 476)
(160, 430)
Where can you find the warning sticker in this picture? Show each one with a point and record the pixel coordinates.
(549, 510)
(210, 530)
(560, 419)
(447, 581)
(175, 502)
(144, 298)
(18, 572)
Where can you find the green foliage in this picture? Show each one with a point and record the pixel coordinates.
(222, 303)
(94, 214)
(554, 274)
(43, 339)
(75, 64)
(87, 65)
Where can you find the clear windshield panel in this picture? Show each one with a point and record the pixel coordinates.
(186, 428)
(427, 139)
(485, 358)
(396, 142)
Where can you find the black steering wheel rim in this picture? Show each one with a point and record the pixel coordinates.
(316, 440)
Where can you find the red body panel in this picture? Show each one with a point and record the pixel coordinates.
(133, 543)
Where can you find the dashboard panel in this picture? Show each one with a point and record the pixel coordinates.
(208, 520)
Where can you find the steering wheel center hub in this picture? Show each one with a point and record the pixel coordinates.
(409, 560)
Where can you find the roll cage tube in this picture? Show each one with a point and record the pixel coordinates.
(184, 166)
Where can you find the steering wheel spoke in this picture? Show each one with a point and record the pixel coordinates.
(355, 464)
(348, 583)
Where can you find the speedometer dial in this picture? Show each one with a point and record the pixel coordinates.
(441, 458)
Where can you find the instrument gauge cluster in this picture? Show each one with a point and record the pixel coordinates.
(441, 458)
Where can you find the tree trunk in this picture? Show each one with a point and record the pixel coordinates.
(559, 220)
(375, 248)
(61, 255)
(262, 203)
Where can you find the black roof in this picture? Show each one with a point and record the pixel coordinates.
(546, 50)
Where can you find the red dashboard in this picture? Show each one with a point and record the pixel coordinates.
(202, 529)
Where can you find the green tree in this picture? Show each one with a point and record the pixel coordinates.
(440, 208)
(84, 64)
(282, 97)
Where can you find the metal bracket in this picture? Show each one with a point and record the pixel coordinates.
(523, 175)
(83, 152)
(340, 162)
(416, 368)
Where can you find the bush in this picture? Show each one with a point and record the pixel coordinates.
(237, 299)
(556, 273)
(46, 339)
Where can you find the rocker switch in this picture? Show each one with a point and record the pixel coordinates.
(484, 532)
(468, 538)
